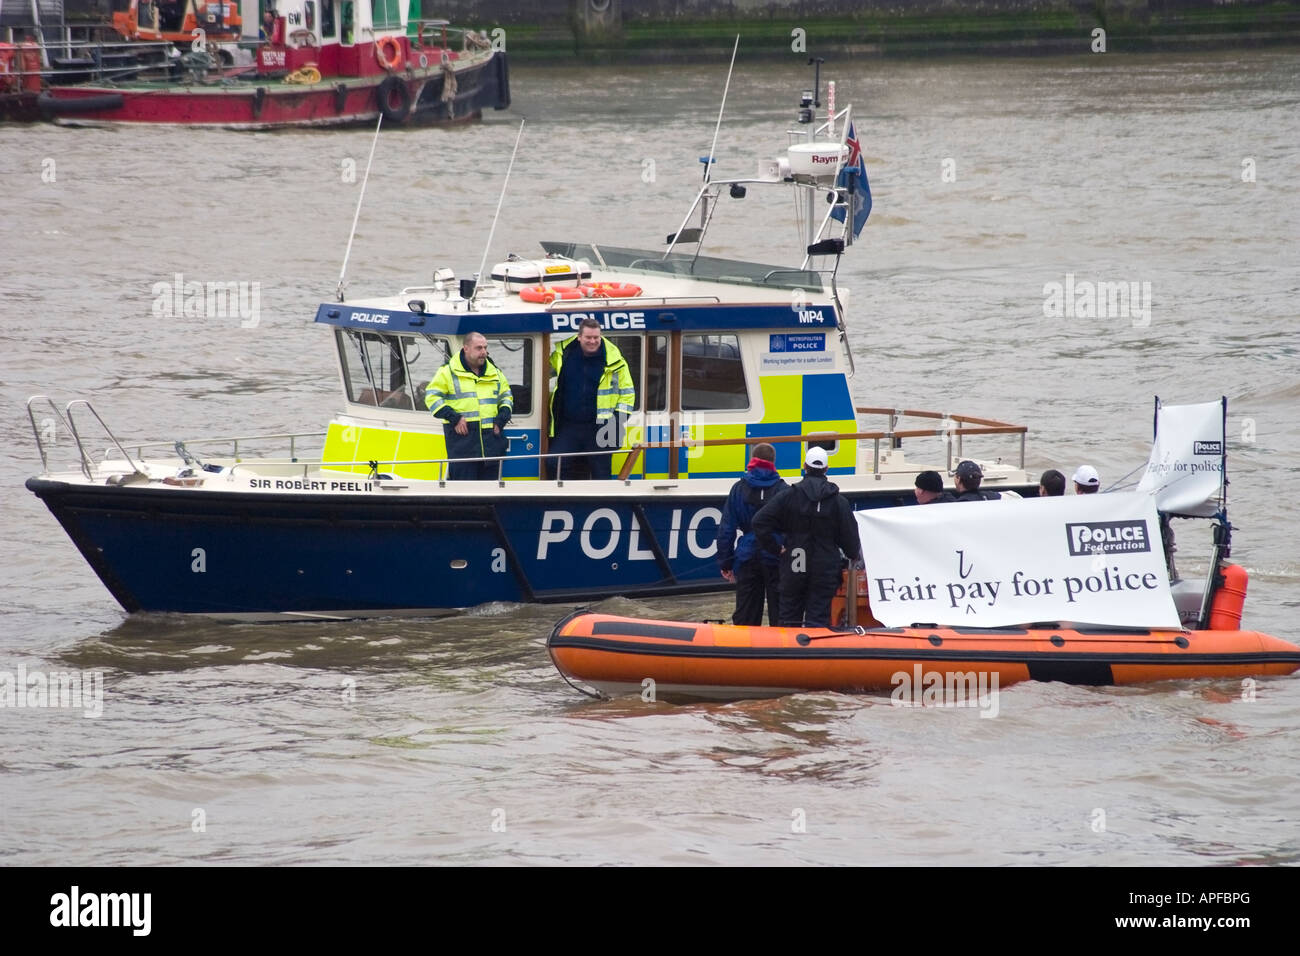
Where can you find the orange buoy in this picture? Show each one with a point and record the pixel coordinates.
(1229, 599)
(546, 294)
(612, 290)
(389, 53)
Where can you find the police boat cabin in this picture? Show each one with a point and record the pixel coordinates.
(467, 463)
(718, 357)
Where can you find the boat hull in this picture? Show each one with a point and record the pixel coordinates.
(272, 105)
(621, 655)
(261, 555)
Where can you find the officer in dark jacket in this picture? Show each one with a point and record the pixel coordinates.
(967, 478)
(818, 525)
(755, 572)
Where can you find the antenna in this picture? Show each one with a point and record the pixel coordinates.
(501, 199)
(716, 129)
(816, 62)
(698, 234)
(360, 198)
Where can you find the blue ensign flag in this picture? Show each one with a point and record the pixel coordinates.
(853, 177)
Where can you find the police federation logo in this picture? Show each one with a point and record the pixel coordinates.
(1207, 448)
(1107, 537)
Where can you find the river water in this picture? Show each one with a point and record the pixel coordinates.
(454, 740)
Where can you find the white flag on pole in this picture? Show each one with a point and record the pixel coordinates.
(1185, 471)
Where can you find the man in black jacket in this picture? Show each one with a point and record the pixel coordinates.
(929, 489)
(817, 525)
(967, 478)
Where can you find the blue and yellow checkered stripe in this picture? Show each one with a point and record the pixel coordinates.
(792, 405)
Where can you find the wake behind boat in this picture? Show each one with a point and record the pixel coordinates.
(722, 354)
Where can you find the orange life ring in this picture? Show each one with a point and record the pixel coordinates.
(546, 294)
(613, 290)
(389, 53)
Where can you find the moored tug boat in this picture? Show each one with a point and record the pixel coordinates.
(369, 525)
(322, 63)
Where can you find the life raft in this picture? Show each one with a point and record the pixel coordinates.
(619, 655)
(389, 53)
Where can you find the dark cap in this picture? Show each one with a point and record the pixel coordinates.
(929, 481)
(968, 470)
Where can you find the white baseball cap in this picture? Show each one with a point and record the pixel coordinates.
(816, 458)
(1087, 475)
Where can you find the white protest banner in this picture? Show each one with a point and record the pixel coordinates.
(1185, 471)
(1094, 559)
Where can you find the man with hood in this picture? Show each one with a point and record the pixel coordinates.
(754, 572)
(819, 531)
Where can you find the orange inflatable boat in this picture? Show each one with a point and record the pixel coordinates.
(619, 655)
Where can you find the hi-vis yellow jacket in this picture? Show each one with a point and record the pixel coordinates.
(476, 398)
(616, 393)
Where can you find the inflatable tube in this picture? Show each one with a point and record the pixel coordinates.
(721, 661)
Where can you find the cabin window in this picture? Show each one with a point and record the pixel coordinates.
(327, 19)
(373, 369)
(348, 18)
(631, 346)
(513, 354)
(387, 14)
(389, 371)
(309, 15)
(424, 355)
(656, 374)
(713, 373)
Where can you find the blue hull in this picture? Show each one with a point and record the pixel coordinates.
(240, 554)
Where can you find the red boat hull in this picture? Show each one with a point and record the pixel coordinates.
(250, 104)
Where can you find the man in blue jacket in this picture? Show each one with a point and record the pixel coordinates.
(756, 574)
(820, 531)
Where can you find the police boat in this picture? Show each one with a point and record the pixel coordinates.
(723, 354)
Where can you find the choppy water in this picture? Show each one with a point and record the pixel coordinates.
(461, 744)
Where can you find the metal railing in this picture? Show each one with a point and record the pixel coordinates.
(233, 441)
(69, 422)
(893, 435)
(955, 428)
